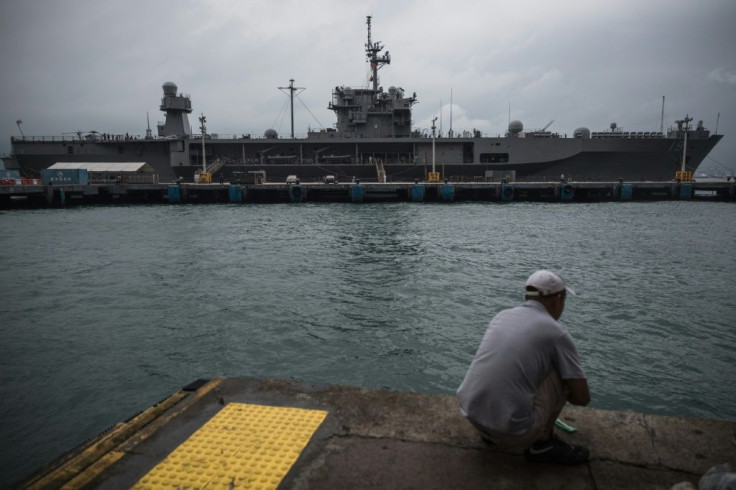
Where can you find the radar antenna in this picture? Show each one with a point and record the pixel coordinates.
(372, 50)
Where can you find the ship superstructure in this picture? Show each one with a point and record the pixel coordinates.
(176, 106)
(371, 112)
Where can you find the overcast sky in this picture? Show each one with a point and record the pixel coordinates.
(99, 65)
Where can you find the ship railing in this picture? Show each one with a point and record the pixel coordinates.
(116, 138)
(241, 136)
(626, 135)
(99, 137)
(34, 139)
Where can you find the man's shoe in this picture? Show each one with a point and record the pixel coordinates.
(486, 440)
(558, 451)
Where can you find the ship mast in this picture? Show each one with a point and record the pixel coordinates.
(371, 50)
(661, 119)
(291, 88)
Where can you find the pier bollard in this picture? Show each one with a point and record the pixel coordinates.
(507, 192)
(567, 192)
(357, 193)
(627, 191)
(686, 191)
(417, 192)
(236, 193)
(447, 192)
(174, 193)
(297, 193)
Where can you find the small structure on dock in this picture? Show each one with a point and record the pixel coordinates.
(111, 172)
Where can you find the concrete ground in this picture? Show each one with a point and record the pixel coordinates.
(385, 439)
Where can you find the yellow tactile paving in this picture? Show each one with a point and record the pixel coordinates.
(243, 446)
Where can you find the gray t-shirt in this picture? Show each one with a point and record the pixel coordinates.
(520, 348)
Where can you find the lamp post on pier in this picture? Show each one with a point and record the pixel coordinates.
(203, 128)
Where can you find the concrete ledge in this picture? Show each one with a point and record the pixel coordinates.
(58, 195)
(388, 439)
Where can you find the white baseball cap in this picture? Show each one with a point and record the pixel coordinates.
(546, 283)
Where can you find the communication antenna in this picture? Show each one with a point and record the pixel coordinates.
(148, 130)
(451, 113)
(440, 133)
(718, 118)
(371, 51)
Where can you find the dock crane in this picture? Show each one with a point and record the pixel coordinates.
(548, 125)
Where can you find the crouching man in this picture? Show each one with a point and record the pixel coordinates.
(525, 370)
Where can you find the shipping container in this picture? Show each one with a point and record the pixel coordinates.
(65, 176)
(9, 174)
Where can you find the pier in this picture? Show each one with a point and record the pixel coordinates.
(12, 196)
(265, 433)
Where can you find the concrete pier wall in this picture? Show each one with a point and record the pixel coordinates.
(570, 192)
(386, 439)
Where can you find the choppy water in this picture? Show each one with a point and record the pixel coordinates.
(106, 310)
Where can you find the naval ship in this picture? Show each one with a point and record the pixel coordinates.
(373, 140)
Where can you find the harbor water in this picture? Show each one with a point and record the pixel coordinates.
(107, 310)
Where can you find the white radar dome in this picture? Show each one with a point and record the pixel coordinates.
(169, 88)
(271, 134)
(516, 127)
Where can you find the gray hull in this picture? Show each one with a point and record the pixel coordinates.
(401, 159)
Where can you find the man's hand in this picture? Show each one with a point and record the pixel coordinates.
(579, 392)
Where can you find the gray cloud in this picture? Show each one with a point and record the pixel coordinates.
(723, 75)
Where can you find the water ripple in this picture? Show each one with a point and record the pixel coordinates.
(106, 310)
